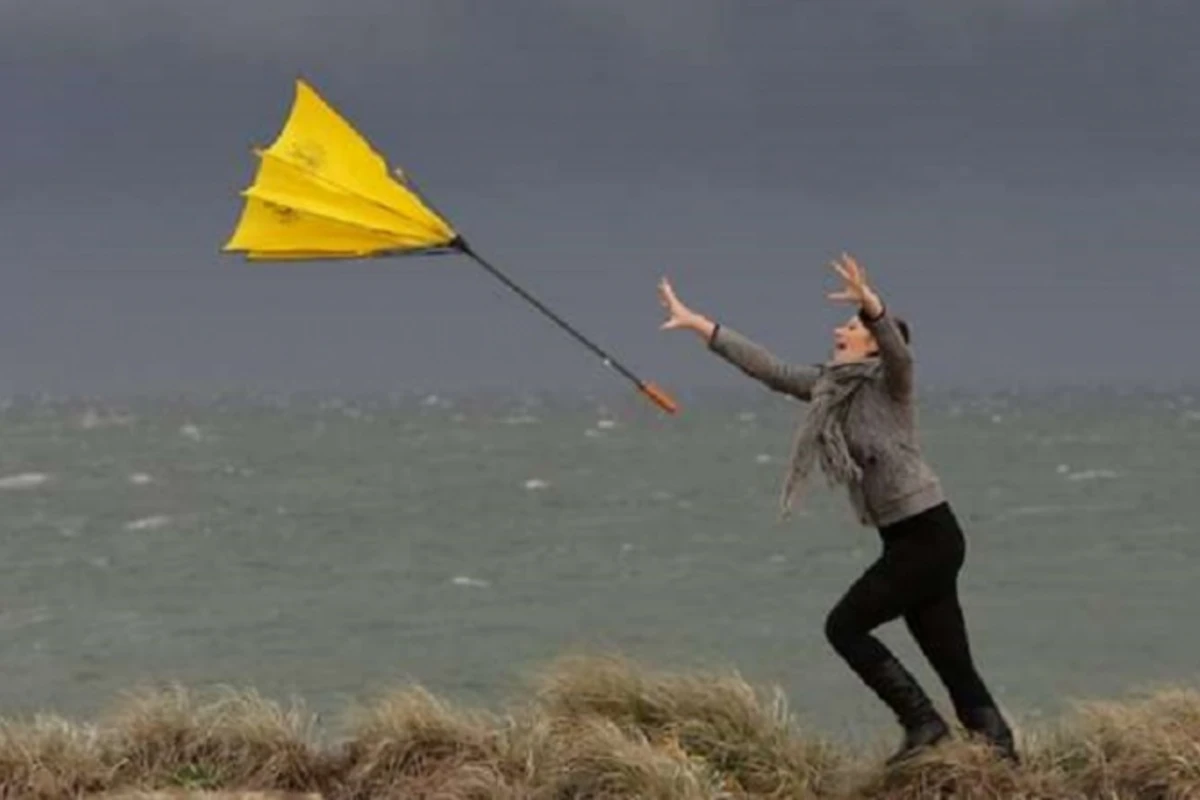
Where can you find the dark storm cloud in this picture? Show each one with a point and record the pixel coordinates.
(762, 91)
(1026, 151)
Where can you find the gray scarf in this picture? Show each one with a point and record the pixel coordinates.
(822, 435)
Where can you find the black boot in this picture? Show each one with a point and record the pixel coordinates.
(923, 726)
(989, 723)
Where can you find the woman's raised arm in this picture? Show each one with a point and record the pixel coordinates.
(751, 358)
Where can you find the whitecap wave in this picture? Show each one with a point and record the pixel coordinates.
(1092, 475)
(92, 420)
(26, 480)
(148, 523)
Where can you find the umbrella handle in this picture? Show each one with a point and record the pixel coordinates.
(660, 397)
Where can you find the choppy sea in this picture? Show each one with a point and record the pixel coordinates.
(331, 548)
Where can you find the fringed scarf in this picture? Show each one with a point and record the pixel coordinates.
(822, 435)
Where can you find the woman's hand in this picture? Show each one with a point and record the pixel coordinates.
(856, 290)
(679, 315)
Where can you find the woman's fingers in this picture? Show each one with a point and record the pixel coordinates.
(852, 271)
(862, 273)
(850, 264)
(665, 298)
(676, 311)
(857, 272)
(672, 302)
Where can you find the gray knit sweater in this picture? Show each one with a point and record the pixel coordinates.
(880, 427)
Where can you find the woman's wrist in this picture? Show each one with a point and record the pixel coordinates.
(872, 306)
(703, 326)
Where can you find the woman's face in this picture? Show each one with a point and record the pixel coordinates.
(852, 341)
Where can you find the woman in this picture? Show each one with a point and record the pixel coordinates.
(861, 428)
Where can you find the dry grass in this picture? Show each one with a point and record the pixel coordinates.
(967, 771)
(170, 737)
(49, 757)
(412, 744)
(202, 795)
(1145, 747)
(595, 759)
(592, 727)
(718, 720)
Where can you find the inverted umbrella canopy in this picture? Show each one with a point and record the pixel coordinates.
(322, 192)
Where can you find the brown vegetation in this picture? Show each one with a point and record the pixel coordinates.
(591, 727)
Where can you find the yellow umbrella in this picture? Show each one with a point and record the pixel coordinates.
(322, 192)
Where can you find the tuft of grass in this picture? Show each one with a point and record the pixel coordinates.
(173, 737)
(962, 770)
(595, 759)
(413, 744)
(50, 757)
(745, 738)
(205, 795)
(1147, 747)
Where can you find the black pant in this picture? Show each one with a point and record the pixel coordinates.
(915, 577)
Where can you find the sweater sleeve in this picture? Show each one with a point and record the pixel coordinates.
(894, 352)
(757, 362)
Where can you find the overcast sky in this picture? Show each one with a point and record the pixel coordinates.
(1019, 176)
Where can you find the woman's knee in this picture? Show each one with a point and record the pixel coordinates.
(840, 629)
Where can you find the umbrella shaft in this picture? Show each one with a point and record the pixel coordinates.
(609, 360)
